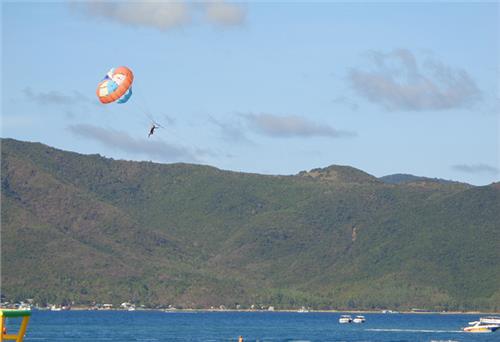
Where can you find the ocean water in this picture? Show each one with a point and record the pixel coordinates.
(253, 326)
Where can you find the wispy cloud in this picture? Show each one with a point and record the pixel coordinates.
(291, 126)
(224, 14)
(168, 120)
(124, 142)
(56, 98)
(163, 15)
(477, 168)
(344, 100)
(230, 131)
(397, 81)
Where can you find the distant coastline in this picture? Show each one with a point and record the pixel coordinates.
(90, 308)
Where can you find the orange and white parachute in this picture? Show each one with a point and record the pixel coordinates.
(116, 86)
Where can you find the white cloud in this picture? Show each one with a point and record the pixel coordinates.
(124, 142)
(398, 82)
(57, 98)
(291, 126)
(163, 15)
(477, 168)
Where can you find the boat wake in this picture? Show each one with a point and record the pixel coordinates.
(416, 330)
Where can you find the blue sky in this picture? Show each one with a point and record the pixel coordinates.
(262, 87)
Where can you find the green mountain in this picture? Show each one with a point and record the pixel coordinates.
(401, 178)
(85, 228)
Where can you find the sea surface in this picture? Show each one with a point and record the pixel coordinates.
(253, 326)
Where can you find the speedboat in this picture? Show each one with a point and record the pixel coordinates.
(359, 319)
(345, 319)
(478, 327)
(490, 320)
(389, 312)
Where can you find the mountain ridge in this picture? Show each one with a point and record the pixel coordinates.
(404, 178)
(196, 236)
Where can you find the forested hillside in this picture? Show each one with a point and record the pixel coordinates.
(85, 228)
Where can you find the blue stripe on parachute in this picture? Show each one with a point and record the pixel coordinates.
(125, 96)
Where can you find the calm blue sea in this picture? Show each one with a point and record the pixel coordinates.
(253, 326)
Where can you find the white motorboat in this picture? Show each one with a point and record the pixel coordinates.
(389, 312)
(359, 319)
(345, 319)
(490, 320)
(478, 327)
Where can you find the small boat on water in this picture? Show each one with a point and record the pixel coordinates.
(359, 319)
(345, 319)
(490, 320)
(478, 327)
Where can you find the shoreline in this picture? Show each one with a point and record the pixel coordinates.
(82, 308)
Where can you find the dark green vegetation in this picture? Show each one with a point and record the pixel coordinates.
(401, 178)
(85, 228)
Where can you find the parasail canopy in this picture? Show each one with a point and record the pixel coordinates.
(116, 85)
